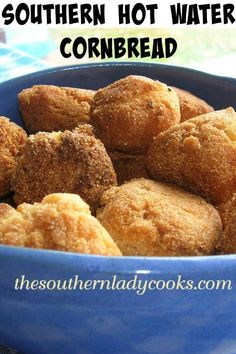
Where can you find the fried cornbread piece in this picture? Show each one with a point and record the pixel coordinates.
(224, 209)
(149, 218)
(12, 138)
(128, 166)
(190, 105)
(198, 154)
(60, 222)
(130, 112)
(51, 108)
(63, 162)
(227, 242)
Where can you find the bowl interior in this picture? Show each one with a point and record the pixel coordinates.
(116, 321)
(220, 92)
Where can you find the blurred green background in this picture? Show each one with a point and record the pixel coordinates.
(208, 49)
(194, 45)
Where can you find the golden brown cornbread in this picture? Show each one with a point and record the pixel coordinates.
(128, 166)
(12, 138)
(130, 112)
(68, 162)
(60, 222)
(224, 209)
(198, 154)
(227, 242)
(149, 218)
(51, 108)
(190, 105)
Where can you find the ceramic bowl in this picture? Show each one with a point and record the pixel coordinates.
(174, 320)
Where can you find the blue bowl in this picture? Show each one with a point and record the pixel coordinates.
(141, 305)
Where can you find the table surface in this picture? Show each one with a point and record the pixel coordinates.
(14, 62)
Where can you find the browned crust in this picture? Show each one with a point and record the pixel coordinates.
(52, 108)
(128, 166)
(199, 154)
(12, 138)
(227, 242)
(149, 218)
(190, 105)
(130, 112)
(61, 222)
(68, 162)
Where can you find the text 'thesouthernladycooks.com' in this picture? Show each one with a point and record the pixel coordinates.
(135, 284)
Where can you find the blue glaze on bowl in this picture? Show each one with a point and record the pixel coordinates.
(103, 321)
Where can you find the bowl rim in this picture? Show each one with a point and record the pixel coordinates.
(116, 64)
(123, 264)
(117, 264)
